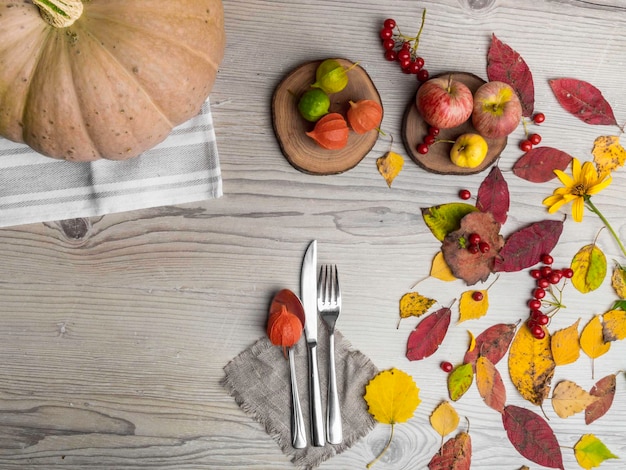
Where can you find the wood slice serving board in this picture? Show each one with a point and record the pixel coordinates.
(437, 160)
(301, 150)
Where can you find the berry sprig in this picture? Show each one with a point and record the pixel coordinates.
(429, 139)
(403, 49)
(532, 139)
(546, 279)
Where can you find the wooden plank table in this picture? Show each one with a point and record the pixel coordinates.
(115, 330)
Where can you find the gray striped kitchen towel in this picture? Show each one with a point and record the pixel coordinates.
(183, 168)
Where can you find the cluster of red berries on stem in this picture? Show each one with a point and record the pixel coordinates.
(429, 139)
(534, 138)
(476, 245)
(403, 49)
(545, 278)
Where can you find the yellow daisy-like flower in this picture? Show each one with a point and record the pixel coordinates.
(578, 188)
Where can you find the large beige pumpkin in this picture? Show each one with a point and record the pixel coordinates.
(109, 78)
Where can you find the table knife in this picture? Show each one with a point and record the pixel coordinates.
(308, 293)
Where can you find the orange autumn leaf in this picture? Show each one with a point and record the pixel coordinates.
(490, 384)
(565, 345)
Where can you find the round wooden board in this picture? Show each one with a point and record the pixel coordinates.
(437, 160)
(303, 152)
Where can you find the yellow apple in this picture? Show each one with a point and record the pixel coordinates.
(469, 150)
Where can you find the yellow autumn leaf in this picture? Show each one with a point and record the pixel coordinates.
(444, 419)
(614, 325)
(389, 166)
(590, 452)
(531, 365)
(608, 154)
(413, 304)
(565, 345)
(440, 269)
(472, 341)
(618, 281)
(392, 396)
(589, 266)
(592, 340)
(473, 304)
(568, 398)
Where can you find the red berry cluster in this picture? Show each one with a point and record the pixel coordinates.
(429, 139)
(402, 49)
(532, 139)
(545, 277)
(476, 245)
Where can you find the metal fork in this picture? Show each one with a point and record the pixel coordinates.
(329, 308)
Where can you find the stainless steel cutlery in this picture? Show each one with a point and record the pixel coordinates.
(321, 296)
(329, 308)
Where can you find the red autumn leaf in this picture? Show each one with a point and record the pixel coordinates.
(506, 65)
(531, 435)
(605, 389)
(493, 195)
(464, 264)
(524, 247)
(456, 454)
(428, 335)
(493, 343)
(583, 100)
(538, 165)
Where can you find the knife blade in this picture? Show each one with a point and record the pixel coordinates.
(308, 294)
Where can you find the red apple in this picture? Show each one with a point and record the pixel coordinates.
(497, 110)
(444, 102)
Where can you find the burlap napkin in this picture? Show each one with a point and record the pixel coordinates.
(258, 379)
(183, 168)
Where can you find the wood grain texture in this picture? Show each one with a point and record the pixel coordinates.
(115, 329)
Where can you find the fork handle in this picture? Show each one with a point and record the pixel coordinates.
(334, 431)
(317, 419)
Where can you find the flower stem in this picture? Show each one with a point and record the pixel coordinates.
(596, 211)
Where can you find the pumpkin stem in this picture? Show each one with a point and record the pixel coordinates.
(60, 13)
